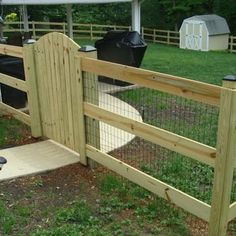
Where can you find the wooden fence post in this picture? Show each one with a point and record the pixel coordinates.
(91, 95)
(33, 29)
(79, 87)
(231, 43)
(91, 32)
(225, 159)
(168, 37)
(64, 27)
(154, 35)
(142, 32)
(33, 96)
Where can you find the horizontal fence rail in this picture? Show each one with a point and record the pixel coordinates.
(38, 29)
(182, 145)
(161, 36)
(11, 50)
(23, 117)
(195, 90)
(232, 44)
(13, 82)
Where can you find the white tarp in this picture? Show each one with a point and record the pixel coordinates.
(136, 6)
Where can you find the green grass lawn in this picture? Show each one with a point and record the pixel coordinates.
(209, 67)
(113, 208)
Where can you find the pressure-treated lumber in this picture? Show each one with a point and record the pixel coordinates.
(13, 82)
(42, 84)
(190, 89)
(174, 142)
(225, 162)
(190, 204)
(68, 93)
(11, 50)
(55, 72)
(32, 93)
(57, 78)
(80, 120)
(50, 53)
(91, 95)
(15, 113)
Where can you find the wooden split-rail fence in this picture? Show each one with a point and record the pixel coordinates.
(59, 73)
(97, 31)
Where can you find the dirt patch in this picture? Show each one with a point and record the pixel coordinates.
(43, 194)
(197, 226)
(15, 133)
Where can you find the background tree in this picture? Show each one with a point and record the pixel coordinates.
(227, 9)
(113, 13)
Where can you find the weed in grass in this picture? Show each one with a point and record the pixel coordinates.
(24, 211)
(116, 229)
(75, 220)
(11, 131)
(110, 183)
(116, 204)
(175, 227)
(38, 183)
(7, 220)
(29, 194)
(138, 192)
(73, 230)
(69, 230)
(168, 217)
(174, 171)
(147, 209)
(126, 222)
(79, 212)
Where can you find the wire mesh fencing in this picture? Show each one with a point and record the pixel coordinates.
(193, 120)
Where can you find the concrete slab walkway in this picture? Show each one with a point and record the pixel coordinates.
(111, 137)
(35, 158)
(49, 155)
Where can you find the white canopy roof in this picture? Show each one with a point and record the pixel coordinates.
(54, 2)
(136, 6)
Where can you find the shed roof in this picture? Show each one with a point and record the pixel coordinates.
(54, 2)
(215, 24)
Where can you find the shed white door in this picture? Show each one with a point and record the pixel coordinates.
(193, 35)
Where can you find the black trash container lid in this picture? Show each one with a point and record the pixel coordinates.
(122, 39)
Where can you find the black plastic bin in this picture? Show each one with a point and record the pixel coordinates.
(12, 66)
(121, 47)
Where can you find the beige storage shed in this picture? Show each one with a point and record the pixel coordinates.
(204, 33)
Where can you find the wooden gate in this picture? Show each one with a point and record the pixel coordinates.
(55, 92)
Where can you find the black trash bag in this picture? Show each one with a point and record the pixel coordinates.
(12, 66)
